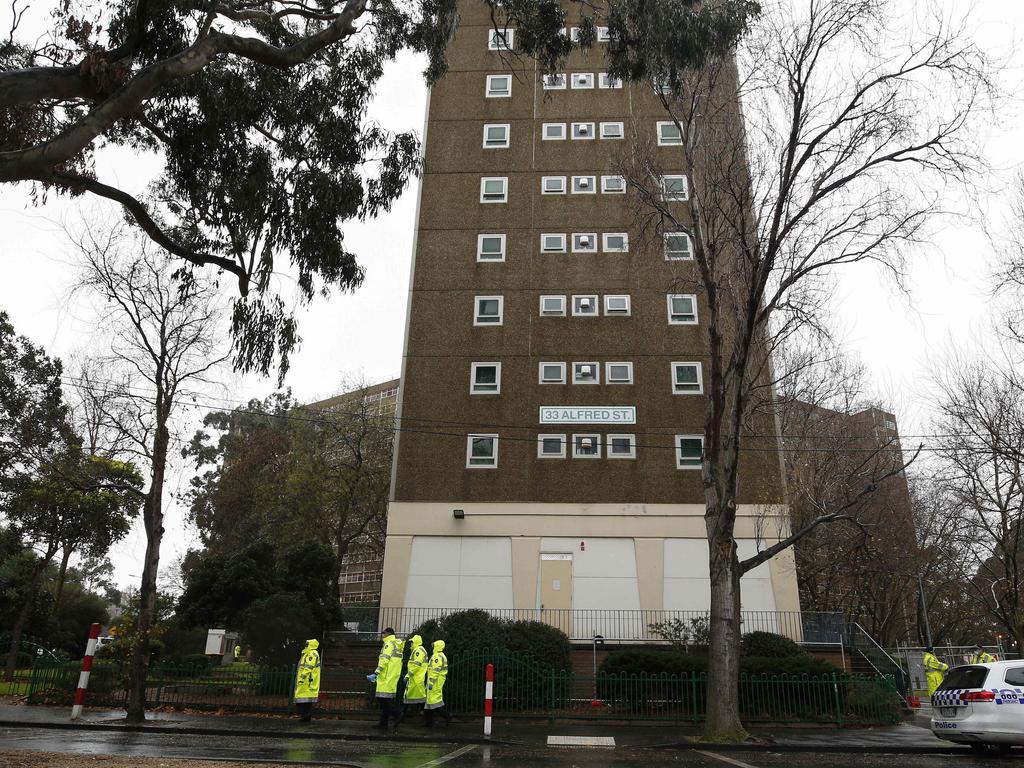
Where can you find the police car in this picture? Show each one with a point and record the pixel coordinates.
(981, 705)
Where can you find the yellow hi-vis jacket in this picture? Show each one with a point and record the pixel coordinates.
(435, 677)
(307, 680)
(933, 669)
(416, 672)
(389, 667)
(982, 657)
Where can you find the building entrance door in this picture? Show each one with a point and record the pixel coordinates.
(556, 591)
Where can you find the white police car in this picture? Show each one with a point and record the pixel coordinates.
(981, 705)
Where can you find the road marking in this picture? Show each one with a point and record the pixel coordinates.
(724, 759)
(581, 741)
(450, 756)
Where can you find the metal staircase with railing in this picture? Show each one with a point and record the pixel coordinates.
(869, 658)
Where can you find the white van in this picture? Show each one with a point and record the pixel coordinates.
(981, 705)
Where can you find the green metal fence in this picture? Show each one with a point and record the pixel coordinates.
(522, 689)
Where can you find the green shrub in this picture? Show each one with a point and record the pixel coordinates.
(871, 701)
(806, 664)
(646, 662)
(199, 662)
(769, 645)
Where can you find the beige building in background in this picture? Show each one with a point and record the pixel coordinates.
(551, 401)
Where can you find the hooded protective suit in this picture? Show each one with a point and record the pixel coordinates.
(416, 674)
(436, 675)
(307, 680)
(389, 667)
(933, 671)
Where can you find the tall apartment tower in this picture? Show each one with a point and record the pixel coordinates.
(551, 403)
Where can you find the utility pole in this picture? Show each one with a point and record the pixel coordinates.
(924, 611)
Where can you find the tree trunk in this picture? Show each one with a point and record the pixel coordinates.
(154, 519)
(19, 625)
(61, 576)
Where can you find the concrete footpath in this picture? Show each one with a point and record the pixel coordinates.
(908, 738)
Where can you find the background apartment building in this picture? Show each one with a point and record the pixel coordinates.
(552, 395)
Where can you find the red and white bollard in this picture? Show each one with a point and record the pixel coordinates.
(83, 676)
(488, 700)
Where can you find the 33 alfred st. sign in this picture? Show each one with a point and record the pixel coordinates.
(588, 414)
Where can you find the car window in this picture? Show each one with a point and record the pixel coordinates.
(1015, 676)
(965, 677)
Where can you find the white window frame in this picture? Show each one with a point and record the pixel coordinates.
(544, 313)
(693, 298)
(508, 135)
(689, 247)
(544, 132)
(604, 80)
(469, 451)
(609, 440)
(679, 451)
(597, 444)
(675, 197)
(483, 186)
(595, 302)
(540, 446)
(606, 239)
(591, 130)
(544, 185)
(555, 81)
(473, 368)
(605, 126)
(593, 240)
(604, 185)
(480, 246)
(700, 378)
(476, 311)
(662, 141)
(608, 372)
(597, 373)
(490, 92)
(553, 234)
(591, 185)
(582, 81)
(540, 373)
(603, 35)
(609, 312)
(501, 39)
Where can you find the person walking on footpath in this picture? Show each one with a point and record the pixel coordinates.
(307, 680)
(981, 656)
(933, 669)
(415, 676)
(386, 676)
(437, 672)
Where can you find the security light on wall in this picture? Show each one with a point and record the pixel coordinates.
(459, 514)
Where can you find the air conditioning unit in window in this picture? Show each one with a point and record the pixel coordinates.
(584, 183)
(586, 443)
(586, 370)
(585, 304)
(584, 130)
(584, 242)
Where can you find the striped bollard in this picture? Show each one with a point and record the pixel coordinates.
(488, 700)
(83, 676)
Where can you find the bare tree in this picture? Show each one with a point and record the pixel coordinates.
(798, 161)
(166, 334)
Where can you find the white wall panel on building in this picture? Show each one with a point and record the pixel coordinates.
(686, 578)
(460, 572)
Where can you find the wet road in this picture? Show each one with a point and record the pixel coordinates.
(399, 755)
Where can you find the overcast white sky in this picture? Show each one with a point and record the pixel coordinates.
(360, 335)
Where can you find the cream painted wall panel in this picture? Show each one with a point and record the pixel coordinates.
(601, 557)
(486, 557)
(686, 577)
(435, 555)
(687, 594)
(457, 572)
(485, 592)
(748, 548)
(686, 558)
(594, 593)
(432, 591)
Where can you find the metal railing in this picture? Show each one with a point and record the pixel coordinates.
(878, 658)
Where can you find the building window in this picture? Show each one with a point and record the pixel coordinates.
(612, 130)
(500, 39)
(496, 135)
(582, 80)
(621, 446)
(481, 451)
(584, 185)
(494, 189)
(674, 188)
(677, 246)
(574, 34)
(584, 306)
(550, 446)
(682, 309)
(490, 248)
(618, 373)
(499, 86)
(552, 306)
(552, 243)
(552, 185)
(616, 305)
(489, 310)
(586, 446)
(583, 130)
(554, 132)
(603, 35)
(687, 379)
(554, 81)
(485, 378)
(586, 373)
(584, 242)
(604, 80)
(669, 135)
(615, 242)
(552, 373)
(613, 185)
(689, 451)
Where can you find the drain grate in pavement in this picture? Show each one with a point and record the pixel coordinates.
(581, 741)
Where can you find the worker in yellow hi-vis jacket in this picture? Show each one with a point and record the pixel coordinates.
(389, 670)
(307, 680)
(933, 669)
(415, 675)
(437, 673)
